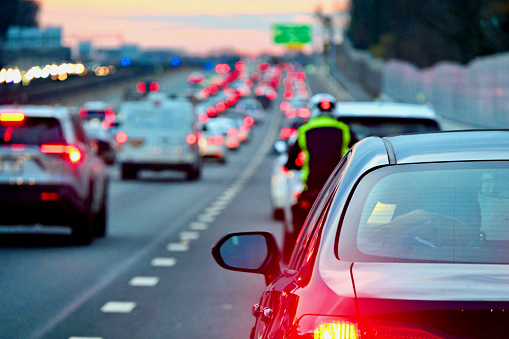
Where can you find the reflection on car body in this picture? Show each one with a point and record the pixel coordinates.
(406, 240)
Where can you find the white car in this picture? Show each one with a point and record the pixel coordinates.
(158, 134)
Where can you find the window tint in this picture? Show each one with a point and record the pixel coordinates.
(440, 212)
(383, 127)
(33, 131)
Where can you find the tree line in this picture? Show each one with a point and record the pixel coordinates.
(428, 31)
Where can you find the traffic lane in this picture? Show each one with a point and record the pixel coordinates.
(194, 297)
(46, 281)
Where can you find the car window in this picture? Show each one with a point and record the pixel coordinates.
(430, 212)
(33, 131)
(365, 127)
(309, 234)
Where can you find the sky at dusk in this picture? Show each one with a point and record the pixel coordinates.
(195, 26)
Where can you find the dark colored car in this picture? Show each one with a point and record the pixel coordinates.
(49, 173)
(408, 239)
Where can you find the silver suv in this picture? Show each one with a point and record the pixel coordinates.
(49, 173)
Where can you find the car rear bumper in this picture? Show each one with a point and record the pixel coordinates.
(39, 204)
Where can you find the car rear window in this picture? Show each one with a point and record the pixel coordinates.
(382, 127)
(151, 117)
(450, 212)
(33, 131)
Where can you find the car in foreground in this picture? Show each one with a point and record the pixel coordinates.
(407, 239)
(49, 173)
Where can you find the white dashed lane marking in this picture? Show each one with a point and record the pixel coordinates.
(144, 281)
(163, 262)
(198, 226)
(177, 247)
(118, 307)
(206, 218)
(189, 235)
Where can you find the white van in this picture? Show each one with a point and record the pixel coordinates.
(158, 133)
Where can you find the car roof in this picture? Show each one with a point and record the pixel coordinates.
(59, 112)
(449, 146)
(385, 110)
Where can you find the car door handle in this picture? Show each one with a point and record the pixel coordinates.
(256, 310)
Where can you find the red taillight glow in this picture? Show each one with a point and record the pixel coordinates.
(154, 86)
(304, 113)
(232, 132)
(83, 113)
(300, 159)
(232, 143)
(248, 121)
(192, 138)
(287, 132)
(72, 152)
(141, 87)
(12, 117)
(284, 105)
(216, 140)
(109, 114)
(291, 113)
(49, 196)
(8, 134)
(121, 137)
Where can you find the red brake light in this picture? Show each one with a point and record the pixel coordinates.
(192, 138)
(141, 87)
(109, 114)
(232, 132)
(121, 137)
(72, 153)
(83, 113)
(248, 121)
(216, 140)
(232, 143)
(291, 113)
(304, 113)
(287, 132)
(154, 87)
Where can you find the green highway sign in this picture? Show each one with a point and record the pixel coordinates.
(291, 34)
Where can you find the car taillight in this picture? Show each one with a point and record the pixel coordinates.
(232, 143)
(121, 137)
(192, 138)
(232, 132)
(248, 121)
(83, 113)
(287, 132)
(216, 140)
(304, 113)
(70, 152)
(327, 327)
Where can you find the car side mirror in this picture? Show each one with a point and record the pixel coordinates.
(252, 252)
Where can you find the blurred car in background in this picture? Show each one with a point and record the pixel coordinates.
(407, 239)
(251, 107)
(49, 173)
(212, 142)
(158, 133)
(100, 111)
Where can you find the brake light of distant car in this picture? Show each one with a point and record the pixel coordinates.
(49, 196)
(121, 137)
(248, 121)
(329, 327)
(192, 138)
(72, 153)
(284, 105)
(232, 132)
(287, 132)
(232, 143)
(216, 140)
(304, 113)
(291, 113)
(154, 86)
(288, 94)
(272, 94)
(141, 87)
(301, 157)
(109, 114)
(83, 113)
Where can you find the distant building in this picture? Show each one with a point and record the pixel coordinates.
(25, 47)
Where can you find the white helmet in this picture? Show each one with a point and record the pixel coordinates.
(322, 104)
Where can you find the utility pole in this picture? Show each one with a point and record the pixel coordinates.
(329, 46)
